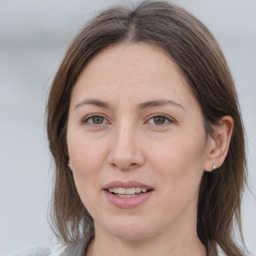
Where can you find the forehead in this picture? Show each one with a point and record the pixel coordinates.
(130, 59)
(140, 69)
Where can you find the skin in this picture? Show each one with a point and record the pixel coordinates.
(125, 142)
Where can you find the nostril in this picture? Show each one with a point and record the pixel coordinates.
(124, 166)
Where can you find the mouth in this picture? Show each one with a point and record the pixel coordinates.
(127, 194)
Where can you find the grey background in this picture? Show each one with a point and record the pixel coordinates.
(34, 35)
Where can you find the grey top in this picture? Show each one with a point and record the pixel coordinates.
(78, 248)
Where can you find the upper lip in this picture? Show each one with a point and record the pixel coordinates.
(127, 184)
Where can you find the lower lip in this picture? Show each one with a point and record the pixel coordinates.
(127, 202)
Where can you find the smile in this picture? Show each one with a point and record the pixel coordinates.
(127, 194)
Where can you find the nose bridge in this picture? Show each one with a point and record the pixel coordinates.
(125, 152)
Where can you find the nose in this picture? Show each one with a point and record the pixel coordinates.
(126, 150)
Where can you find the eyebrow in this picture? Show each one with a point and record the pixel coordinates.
(95, 102)
(147, 104)
(156, 103)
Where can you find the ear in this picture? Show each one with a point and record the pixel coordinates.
(70, 165)
(218, 143)
(69, 161)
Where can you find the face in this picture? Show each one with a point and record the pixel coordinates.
(136, 143)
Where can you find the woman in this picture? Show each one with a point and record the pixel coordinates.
(145, 130)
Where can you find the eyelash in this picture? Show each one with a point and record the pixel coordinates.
(87, 119)
(167, 120)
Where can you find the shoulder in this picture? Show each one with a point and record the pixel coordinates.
(56, 250)
(220, 251)
(215, 250)
(77, 248)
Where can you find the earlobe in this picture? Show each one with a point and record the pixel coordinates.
(69, 161)
(70, 164)
(218, 143)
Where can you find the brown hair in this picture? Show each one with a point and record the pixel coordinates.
(190, 44)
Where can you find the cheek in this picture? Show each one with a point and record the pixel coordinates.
(86, 165)
(179, 166)
(86, 154)
(87, 161)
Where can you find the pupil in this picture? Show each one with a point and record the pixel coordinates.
(97, 120)
(159, 120)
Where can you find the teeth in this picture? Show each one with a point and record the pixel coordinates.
(138, 190)
(111, 190)
(121, 191)
(127, 191)
(130, 191)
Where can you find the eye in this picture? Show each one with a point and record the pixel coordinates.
(94, 120)
(160, 120)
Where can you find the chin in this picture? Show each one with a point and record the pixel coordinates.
(132, 230)
(135, 235)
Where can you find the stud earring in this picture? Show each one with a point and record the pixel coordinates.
(214, 167)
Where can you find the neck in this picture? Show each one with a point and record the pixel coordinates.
(164, 245)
